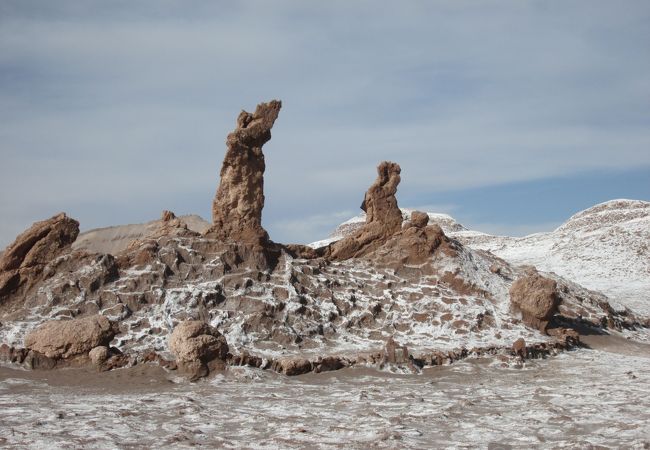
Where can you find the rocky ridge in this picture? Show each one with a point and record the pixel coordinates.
(396, 293)
(604, 248)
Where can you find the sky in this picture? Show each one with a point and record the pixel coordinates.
(508, 115)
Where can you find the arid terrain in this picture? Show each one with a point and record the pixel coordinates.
(581, 399)
(405, 328)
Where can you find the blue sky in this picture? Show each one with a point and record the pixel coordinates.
(509, 115)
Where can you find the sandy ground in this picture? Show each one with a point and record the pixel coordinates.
(585, 398)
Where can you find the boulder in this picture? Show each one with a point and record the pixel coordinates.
(419, 219)
(23, 261)
(99, 355)
(65, 339)
(519, 348)
(292, 365)
(198, 348)
(536, 298)
(237, 206)
(40, 244)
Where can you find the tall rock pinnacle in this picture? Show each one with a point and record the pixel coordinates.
(237, 206)
(380, 204)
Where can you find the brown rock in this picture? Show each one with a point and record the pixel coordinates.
(9, 282)
(419, 219)
(12, 354)
(23, 261)
(536, 298)
(566, 336)
(414, 246)
(167, 216)
(330, 363)
(41, 243)
(395, 353)
(383, 216)
(291, 366)
(99, 355)
(63, 339)
(196, 345)
(237, 206)
(519, 347)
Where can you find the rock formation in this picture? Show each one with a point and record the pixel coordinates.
(23, 261)
(198, 348)
(238, 204)
(65, 339)
(415, 244)
(384, 237)
(383, 216)
(311, 310)
(536, 298)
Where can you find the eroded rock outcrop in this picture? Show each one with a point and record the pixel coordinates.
(198, 348)
(384, 238)
(238, 204)
(536, 298)
(66, 339)
(23, 261)
(414, 245)
(383, 216)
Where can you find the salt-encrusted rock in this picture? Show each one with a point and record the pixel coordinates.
(23, 261)
(536, 298)
(395, 353)
(238, 204)
(383, 216)
(198, 348)
(63, 339)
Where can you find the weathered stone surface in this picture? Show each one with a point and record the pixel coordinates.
(536, 298)
(330, 363)
(413, 245)
(238, 204)
(395, 353)
(383, 216)
(166, 216)
(41, 243)
(99, 355)
(12, 354)
(293, 365)
(519, 348)
(23, 261)
(63, 339)
(195, 344)
(419, 219)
